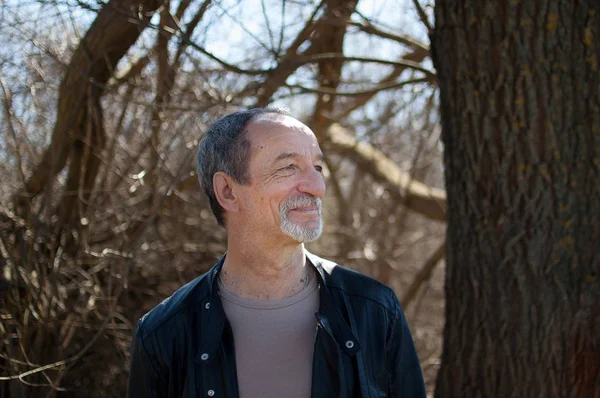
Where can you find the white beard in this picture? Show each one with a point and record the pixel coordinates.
(298, 232)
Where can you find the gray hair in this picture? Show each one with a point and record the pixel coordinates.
(226, 148)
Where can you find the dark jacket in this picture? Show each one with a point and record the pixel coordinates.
(363, 348)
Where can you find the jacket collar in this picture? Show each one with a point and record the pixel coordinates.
(329, 316)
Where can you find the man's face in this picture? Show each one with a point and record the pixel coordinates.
(286, 183)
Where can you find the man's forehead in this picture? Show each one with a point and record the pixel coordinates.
(267, 128)
(274, 135)
(276, 121)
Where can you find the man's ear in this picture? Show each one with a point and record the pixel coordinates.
(225, 192)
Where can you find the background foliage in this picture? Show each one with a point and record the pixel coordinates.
(103, 104)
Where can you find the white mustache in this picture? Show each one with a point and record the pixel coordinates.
(300, 201)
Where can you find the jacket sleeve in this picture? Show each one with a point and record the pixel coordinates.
(144, 378)
(406, 377)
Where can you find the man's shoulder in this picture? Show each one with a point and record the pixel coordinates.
(353, 283)
(177, 305)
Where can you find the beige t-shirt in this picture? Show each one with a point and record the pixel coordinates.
(274, 343)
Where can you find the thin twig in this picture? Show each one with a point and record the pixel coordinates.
(423, 275)
(8, 115)
(377, 89)
(309, 59)
(63, 362)
(408, 41)
(423, 16)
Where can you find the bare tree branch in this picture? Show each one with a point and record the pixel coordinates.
(226, 65)
(107, 40)
(8, 116)
(302, 60)
(277, 77)
(423, 275)
(189, 30)
(374, 90)
(408, 41)
(416, 56)
(423, 16)
(130, 71)
(329, 40)
(429, 202)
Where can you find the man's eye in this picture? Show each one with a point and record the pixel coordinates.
(288, 167)
(319, 168)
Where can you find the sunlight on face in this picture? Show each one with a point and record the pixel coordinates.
(287, 182)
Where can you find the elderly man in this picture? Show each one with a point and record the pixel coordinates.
(270, 319)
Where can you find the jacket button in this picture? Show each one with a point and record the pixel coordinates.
(204, 357)
(211, 393)
(349, 344)
(207, 305)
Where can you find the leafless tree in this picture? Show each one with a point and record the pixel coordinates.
(102, 108)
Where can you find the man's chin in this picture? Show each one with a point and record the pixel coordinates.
(303, 234)
(304, 239)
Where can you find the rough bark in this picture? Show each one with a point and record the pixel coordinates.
(519, 91)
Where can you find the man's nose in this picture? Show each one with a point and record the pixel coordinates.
(313, 183)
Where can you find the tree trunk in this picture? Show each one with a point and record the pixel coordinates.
(520, 102)
(78, 132)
